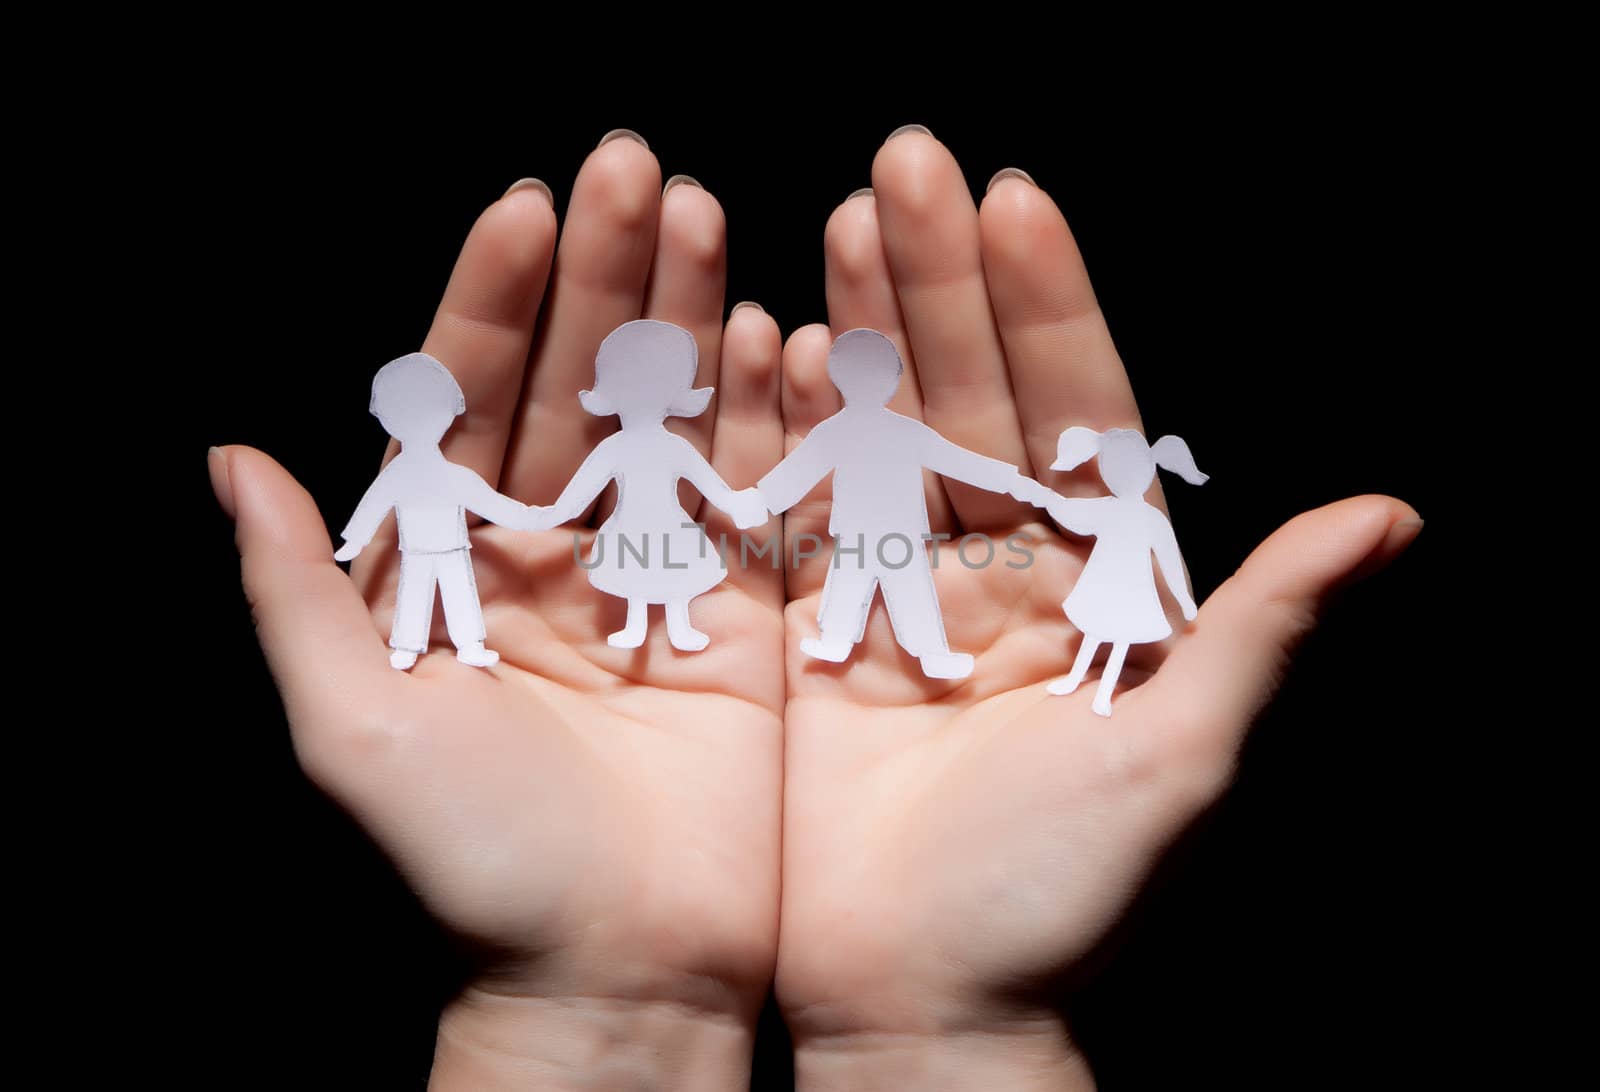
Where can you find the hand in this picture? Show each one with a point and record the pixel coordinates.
(348, 552)
(497, 791)
(1031, 492)
(953, 850)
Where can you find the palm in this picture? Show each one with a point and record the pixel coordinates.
(953, 847)
(577, 805)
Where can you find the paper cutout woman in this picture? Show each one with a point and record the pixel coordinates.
(650, 550)
(1115, 599)
(879, 518)
(417, 399)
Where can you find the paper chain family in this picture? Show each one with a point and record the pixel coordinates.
(644, 373)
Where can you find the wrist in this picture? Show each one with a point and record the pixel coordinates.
(1022, 1058)
(491, 1042)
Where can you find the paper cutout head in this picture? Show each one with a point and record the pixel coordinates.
(865, 366)
(646, 369)
(1127, 463)
(416, 399)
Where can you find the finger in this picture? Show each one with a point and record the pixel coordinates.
(1232, 658)
(1064, 368)
(930, 236)
(318, 636)
(686, 287)
(748, 441)
(861, 294)
(485, 321)
(601, 265)
(808, 396)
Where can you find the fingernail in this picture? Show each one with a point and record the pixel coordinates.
(864, 191)
(680, 180)
(747, 303)
(217, 465)
(1010, 172)
(623, 134)
(530, 184)
(904, 129)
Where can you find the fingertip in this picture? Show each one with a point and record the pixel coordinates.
(911, 172)
(221, 487)
(623, 178)
(272, 510)
(1017, 219)
(752, 344)
(694, 225)
(852, 243)
(808, 394)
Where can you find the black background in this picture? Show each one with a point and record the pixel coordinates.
(1271, 269)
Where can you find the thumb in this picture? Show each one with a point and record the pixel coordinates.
(315, 629)
(1234, 656)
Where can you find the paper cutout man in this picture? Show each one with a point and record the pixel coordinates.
(417, 399)
(650, 551)
(1115, 598)
(880, 518)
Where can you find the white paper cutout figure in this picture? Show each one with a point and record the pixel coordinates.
(880, 518)
(1115, 598)
(417, 399)
(650, 550)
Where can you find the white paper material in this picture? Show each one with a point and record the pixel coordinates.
(1115, 600)
(879, 520)
(417, 399)
(650, 550)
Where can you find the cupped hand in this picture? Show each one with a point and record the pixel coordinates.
(953, 849)
(602, 824)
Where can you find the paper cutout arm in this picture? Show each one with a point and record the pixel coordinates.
(1076, 515)
(745, 506)
(953, 461)
(584, 487)
(786, 484)
(368, 517)
(479, 497)
(1170, 561)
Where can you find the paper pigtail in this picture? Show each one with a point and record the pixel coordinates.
(1171, 453)
(1076, 446)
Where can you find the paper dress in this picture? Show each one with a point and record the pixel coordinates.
(650, 550)
(1115, 600)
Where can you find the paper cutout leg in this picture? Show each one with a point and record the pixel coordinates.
(463, 613)
(1108, 680)
(631, 635)
(1080, 667)
(842, 616)
(913, 606)
(684, 637)
(413, 609)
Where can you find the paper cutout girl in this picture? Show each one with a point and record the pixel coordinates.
(417, 399)
(1115, 599)
(650, 550)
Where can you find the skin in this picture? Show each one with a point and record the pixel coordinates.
(602, 824)
(949, 851)
(952, 851)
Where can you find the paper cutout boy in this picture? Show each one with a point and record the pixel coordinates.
(1115, 598)
(417, 399)
(879, 514)
(649, 550)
